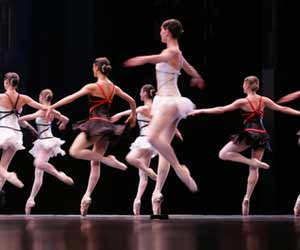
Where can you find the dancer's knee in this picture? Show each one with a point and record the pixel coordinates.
(38, 164)
(74, 152)
(223, 155)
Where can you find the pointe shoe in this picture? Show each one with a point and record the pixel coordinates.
(297, 207)
(136, 207)
(29, 205)
(185, 177)
(116, 163)
(245, 207)
(66, 179)
(84, 205)
(156, 200)
(13, 179)
(151, 174)
(259, 164)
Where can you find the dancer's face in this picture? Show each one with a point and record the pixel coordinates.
(143, 94)
(163, 34)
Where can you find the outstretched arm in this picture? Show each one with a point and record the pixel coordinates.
(32, 103)
(289, 97)
(164, 56)
(132, 117)
(31, 116)
(119, 115)
(283, 109)
(197, 80)
(222, 109)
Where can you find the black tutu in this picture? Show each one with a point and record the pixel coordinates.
(253, 139)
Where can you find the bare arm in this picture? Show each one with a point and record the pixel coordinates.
(62, 119)
(222, 109)
(132, 117)
(289, 97)
(164, 56)
(119, 115)
(272, 105)
(31, 116)
(27, 125)
(197, 80)
(178, 134)
(71, 98)
(32, 103)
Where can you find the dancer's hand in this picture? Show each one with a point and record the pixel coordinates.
(49, 111)
(197, 82)
(131, 120)
(135, 61)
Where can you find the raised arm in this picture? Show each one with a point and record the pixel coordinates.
(164, 56)
(197, 80)
(289, 97)
(132, 117)
(222, 109)
(283, 109)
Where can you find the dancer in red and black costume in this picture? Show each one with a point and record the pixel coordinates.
(98, 130)
(253, 135)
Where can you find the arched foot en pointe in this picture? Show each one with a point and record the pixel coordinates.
(157, 199)
(13, 179)
(29, 205)
(84, 205)
(185, 177)
(136, 207)
(259, 164)
(115, 163)
(66, 179)
(297, 207)
(245, 207)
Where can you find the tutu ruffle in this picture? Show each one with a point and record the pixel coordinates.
(51, 144)
(183, 104)
(253, 139)
(142, 142)
(11, 139)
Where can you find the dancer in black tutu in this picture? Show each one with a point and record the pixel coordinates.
(98, 130)
(253, 135)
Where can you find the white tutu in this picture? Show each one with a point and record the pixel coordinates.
(50, 144)
(11, 138)
(142, 142)
(183, 105)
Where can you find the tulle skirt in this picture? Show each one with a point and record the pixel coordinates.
(52, 145)
(142, 142)
(183, 105)
(10, 138)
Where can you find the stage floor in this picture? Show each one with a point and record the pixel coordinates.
(179, 232)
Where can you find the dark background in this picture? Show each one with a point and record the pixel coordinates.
(52, 44)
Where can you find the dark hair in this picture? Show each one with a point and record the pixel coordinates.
(253, 82)
(150, 90)
(174, 26)
(48, 94)
(103, 65)
(13, 78)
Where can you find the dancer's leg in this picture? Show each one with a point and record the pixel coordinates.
(140, 158)
(79, 150)
(6, 157)
(38, 182)
(41, 162)
(231, 152)
(99, 147)
(163, 124)
(252, 181)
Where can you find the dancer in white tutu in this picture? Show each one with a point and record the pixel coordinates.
(11, 137)
(45, 147)
(169, 107)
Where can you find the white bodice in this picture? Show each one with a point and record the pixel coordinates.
(43, 128)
